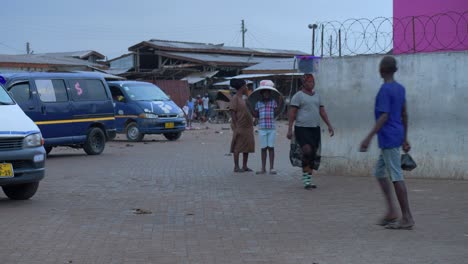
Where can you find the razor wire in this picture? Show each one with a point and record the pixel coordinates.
(381, 35)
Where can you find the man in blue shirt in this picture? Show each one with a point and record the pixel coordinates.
(392, 129)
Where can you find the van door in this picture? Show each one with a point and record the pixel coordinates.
(55, 113)
(91, 104)
(120, 108)
(26, 97)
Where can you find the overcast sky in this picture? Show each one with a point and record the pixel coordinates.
(110, 27)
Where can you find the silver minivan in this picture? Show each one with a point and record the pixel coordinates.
(22, 155)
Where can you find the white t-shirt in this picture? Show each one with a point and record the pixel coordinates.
(206, 101)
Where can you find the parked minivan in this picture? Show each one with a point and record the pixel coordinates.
(71, 109)
(22, 156)
(143, 108)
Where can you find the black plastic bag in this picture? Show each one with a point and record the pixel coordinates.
(295, 155)
(407, 162)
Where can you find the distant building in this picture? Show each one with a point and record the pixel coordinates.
(193, 62)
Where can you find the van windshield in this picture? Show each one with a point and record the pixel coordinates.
(5, 99)
(144, 92)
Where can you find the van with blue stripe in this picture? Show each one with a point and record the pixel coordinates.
(71, 109)
(22, 155)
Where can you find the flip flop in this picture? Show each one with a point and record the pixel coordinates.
(273, 172)
(398, 226)
(384, 222)
(238, 170)
(260, 172)
(246, 169)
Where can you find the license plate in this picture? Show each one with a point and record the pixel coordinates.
(169, 125)
(6, 170)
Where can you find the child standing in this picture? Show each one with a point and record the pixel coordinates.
(265, 111)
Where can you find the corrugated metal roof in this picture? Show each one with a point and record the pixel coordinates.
(77, 54)
(44, 59)
(208, 47)
(277, 64)
(198, 76)
(219, 58)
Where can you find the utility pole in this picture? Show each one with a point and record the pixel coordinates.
(28, 49)
(243, 30)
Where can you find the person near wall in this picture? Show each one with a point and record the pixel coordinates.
(306, 109)
(242, 126)
(391, 128)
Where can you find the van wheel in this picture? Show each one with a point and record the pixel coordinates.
(48, 150)
(133, 133)
(172, 136)
(95, 141)
(21, 191)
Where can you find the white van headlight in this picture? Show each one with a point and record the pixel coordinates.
(147, 115)
(34, 140)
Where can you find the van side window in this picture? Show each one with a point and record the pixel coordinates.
(21, 92)
(115, 91)
(87, 90)
(52, 90)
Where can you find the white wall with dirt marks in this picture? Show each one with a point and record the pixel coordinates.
(437, 98)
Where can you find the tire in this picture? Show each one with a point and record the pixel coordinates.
(95, 141)
(48, 150)
(133, 133)
(21, 191)
(172, 136)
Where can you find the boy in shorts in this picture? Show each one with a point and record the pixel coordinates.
(391, 128)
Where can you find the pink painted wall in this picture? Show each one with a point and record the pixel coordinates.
(439, 25)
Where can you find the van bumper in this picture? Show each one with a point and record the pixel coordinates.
(28, 165)
(158, 126)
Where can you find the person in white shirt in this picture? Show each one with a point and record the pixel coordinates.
(206, 105)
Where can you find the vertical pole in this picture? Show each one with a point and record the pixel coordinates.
(330, 45)
(321, 55)
(339, 42)
(414, 37)
(313, 40)
(28, 49)
(137, 61)
(243, 33)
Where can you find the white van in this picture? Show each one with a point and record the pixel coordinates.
(22, 155)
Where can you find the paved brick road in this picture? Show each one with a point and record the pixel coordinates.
(179, 202)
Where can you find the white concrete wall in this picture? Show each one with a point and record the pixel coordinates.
(437, 97)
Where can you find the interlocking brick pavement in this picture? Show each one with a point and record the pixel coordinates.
(179, 202)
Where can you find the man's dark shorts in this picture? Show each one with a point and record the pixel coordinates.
(307, 136)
